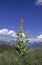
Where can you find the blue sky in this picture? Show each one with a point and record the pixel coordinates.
(11, 11)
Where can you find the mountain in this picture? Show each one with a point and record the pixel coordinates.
(11, 42)
(36, 45)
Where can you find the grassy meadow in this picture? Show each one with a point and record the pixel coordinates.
(8, 56)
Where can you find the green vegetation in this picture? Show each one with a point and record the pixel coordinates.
(21, 44)
(8, 56)
(19, 54)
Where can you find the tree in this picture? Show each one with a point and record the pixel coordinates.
(21, 41)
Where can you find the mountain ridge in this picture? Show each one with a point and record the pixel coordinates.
(11, 42)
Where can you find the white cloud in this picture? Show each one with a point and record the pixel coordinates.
(40, 36)
(12, 33)
(37, 39)
(4, 31)
(39, 2)
(8, 32)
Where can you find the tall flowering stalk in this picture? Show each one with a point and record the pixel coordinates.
(21, 41)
